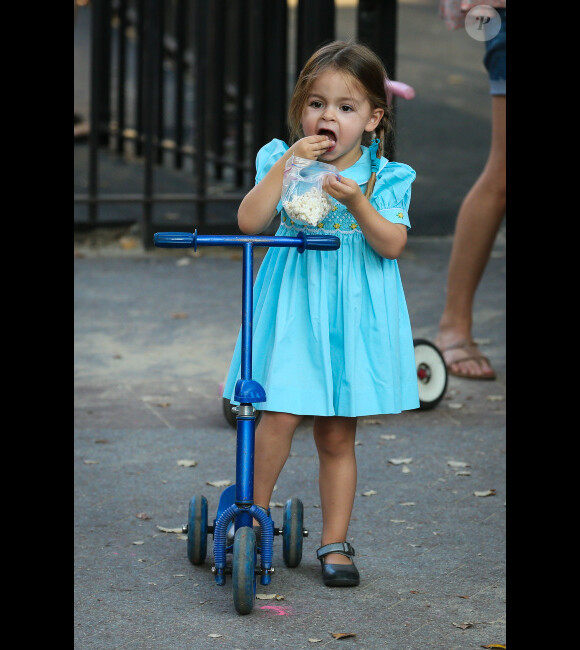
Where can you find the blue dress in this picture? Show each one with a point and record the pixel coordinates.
(331, 330)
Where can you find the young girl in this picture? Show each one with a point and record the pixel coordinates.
(331, 331)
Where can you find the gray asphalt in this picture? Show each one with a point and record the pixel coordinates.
(154, 332)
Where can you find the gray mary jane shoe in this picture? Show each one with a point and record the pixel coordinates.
(338, 575)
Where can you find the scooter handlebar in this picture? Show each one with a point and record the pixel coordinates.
(321, 242)
(174, 239)
(191, 240)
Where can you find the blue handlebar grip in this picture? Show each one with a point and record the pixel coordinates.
(175, 239)
(321, 242)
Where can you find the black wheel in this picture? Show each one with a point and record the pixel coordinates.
(230, 416)
(292, 529)
(244, 569)
(431, 374)
(197, 530)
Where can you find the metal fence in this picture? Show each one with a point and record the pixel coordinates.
(195, 88)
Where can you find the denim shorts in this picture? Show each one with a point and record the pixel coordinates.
(494, 59)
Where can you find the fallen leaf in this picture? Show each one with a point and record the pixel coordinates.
(495, 645)
(342, 635)
(400, 461)
(408, 503)
(276, 504)
(398, 521)
(463, 626)
(314, 640)
(91, 462)
(182, 261)
(215, 636)
(463, 473)
(163, 405)
(179, 314)
(369, 493)
(486, 493)
(128, 242)
(495, 398)
(455, 405)
(405, 470)
(388, 436)
(223, 483)
(185, 462)
(169, 530)
(102, 441)
(457, 463)
(138, 543)
(269, 597)
(142, 515)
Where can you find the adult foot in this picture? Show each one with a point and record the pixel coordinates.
(463, 359)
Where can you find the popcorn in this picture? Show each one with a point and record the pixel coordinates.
(310, 207)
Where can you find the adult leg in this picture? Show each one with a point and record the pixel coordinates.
(334, 438)
(477, 225)
(274, 435)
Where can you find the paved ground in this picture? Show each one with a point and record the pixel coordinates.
(154, 333)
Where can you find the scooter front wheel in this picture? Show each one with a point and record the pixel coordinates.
(244, 569)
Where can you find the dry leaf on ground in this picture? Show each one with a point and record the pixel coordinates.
(463, 626)
(486, 493)
(342, 635)
(369, 493)
(170, 530)
(187, 462)
(223, 483)
(400, 461)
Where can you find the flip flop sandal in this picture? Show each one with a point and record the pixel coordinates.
(473, 354)
(338, 575)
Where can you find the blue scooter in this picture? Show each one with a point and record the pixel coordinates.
(236, 503)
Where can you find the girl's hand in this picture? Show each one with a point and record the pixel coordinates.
(311, 147)
(344, 190)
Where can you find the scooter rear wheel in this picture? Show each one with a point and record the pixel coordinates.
(197, 529)
(292, 532)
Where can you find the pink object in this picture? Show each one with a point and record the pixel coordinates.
(399, 89)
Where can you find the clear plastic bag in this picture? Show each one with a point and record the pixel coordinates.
(303, 198)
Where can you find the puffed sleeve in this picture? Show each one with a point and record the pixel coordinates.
(268, 155)
(392, 192)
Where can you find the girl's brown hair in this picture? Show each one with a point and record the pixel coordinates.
(365, 67)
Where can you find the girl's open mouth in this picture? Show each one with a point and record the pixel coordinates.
(331, 136)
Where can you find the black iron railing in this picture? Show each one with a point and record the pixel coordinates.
(197, 87)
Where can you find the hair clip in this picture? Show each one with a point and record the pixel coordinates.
(373, 148)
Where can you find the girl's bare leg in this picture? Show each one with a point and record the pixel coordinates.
(274, 435)
(334, 438)
(477, 225)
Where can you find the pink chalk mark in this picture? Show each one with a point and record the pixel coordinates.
(277, 609)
